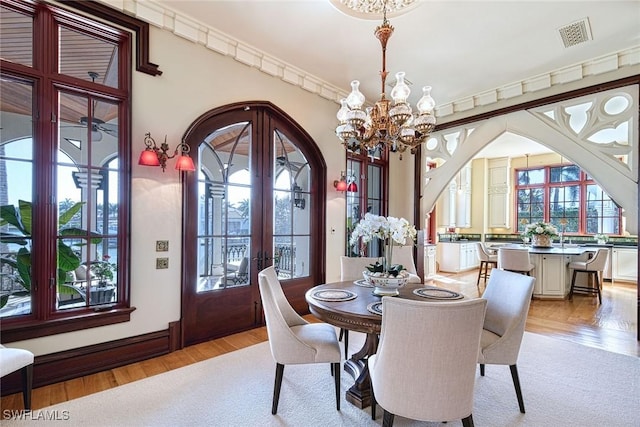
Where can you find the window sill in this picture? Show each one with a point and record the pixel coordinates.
(28, 329)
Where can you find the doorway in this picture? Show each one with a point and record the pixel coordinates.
(256, 200)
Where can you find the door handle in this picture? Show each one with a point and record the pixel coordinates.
(259, 261)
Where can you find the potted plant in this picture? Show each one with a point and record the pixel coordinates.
(601, 238)
(104, 270)
(541, 234)
(385, 276)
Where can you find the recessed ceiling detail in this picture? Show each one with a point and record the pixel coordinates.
(576, 33)
(373, 9)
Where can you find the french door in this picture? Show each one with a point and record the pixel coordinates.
(256, 200)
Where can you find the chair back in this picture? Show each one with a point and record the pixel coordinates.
(483, 255)
(599, 260)
(351, 268)
(429, 350)
(280, 317)
(404, 255)
(514, 259)
(508, 296)
(243, 268)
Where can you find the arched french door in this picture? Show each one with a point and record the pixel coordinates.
(256, 199)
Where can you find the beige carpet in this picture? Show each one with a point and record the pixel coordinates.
(564, 384)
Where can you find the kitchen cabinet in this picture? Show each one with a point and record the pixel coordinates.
(429, 261)
(498, 192)
(455, 201)
(454, 257)
(552, 275)
(625, 264)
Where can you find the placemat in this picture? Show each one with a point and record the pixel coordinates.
(333, 295)
(363, 283)
(375, 307)
(433, 292)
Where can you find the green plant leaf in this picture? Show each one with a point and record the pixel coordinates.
(25, 216)
(11, 215)
(66, 216)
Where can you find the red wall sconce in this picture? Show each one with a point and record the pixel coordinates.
(158, 156)
(341, 184)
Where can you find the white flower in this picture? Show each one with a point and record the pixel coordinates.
(379, 227)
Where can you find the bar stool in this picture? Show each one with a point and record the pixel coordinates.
(593, 267)
(515, 260)
(486, 260)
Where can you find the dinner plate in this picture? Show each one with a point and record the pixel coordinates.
(437, 293)
(333, 295)
(363, 283)
(375, 307)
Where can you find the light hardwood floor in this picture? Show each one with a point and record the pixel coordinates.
(611, 326)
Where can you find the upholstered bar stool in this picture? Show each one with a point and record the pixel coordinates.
(593, 267)
(12, 359)
(486, 260)
(515, 260)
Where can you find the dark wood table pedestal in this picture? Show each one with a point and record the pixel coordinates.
(359, 394)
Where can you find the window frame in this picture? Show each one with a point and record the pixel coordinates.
(45, 317)
(583, 181)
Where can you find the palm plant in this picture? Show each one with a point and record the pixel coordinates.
(20, 217)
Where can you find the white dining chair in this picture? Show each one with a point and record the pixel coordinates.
(515, 260)
(292, 339)
(13, 359)
(425, 365)
(404, 255)
(508, 296)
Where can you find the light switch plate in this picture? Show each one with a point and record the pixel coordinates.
(162, 245)
(162, 263)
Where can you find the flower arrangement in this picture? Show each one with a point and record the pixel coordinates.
(103, 269)
(540, 229)
(388, 229)
(601, 237)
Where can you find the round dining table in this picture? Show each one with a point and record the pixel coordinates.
(354, 314)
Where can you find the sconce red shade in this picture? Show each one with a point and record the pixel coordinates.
(185, 163)
(352, 188)
(340, 185)
(149, 158)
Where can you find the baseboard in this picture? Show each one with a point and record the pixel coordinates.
(78, 362)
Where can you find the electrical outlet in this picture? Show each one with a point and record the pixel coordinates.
(162, 245)
(162, 263)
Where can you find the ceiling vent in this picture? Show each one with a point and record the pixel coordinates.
(575, 33)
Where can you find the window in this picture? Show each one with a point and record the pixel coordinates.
(556, 193)
(365, 194)
(64, 205)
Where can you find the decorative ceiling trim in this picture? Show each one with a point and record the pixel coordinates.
(374, 9)
(197, 32)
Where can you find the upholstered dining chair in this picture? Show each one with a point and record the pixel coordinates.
(404, 255)
(292, 339)
(12, 359)
(486, 259)
(515, 260)
(593, 267)
(437, 371)
(508, 296)
(351, 268)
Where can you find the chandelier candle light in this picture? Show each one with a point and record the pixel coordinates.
(383, 126)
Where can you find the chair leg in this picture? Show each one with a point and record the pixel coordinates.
(27, 384)
(516, 383)
(373, 401)
(468, 421)
(597, 287)
(276, 387)
(573, 283)
(387, 419)
(346, 343)
(482, 369)
(336, 378)
(341, 334)
(482, 263)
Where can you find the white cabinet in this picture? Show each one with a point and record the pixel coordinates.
(498, 192)
(429, 261)
(455, 201)
(625, 264)
(457, 257)
(552, 275)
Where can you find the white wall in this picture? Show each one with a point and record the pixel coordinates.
(194, 80)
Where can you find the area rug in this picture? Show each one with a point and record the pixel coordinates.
(564, 384)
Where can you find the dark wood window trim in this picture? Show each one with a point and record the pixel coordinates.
(140, 28)
(43, 321)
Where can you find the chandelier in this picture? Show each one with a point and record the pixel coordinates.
(383, 125)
